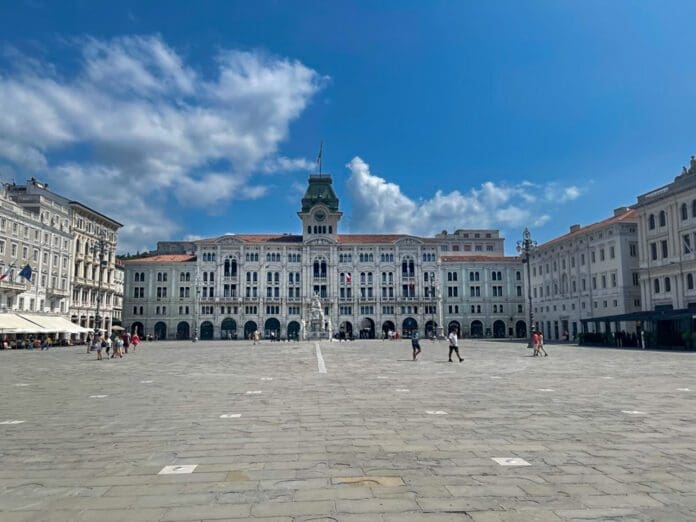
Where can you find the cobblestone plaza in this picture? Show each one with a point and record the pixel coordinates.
(347, 431)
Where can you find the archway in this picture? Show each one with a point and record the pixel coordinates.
(183, 330)
(409, 326)
(206, 330)
(228, 328)
(455, 327)
(345, 330)
(249, 328)
(387, 327)
(138, 328)
(272, 326)
(160, 330)
(367, 329)
(294, 330)
(476, 329)
(521, 329)
(499, 328)
(431, 329)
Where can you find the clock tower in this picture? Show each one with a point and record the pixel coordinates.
(320, 214)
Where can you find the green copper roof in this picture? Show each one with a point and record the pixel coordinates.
(319, 190)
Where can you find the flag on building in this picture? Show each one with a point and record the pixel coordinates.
(348, 278)
(7, 274)
(26, 273)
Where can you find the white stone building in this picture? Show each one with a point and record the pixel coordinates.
(484, 295)
(60, 239)
(590, 272)
(232, 285)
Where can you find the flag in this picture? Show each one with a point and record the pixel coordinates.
(6, 275)
(348, 278)
(26, 273)
(321, 149)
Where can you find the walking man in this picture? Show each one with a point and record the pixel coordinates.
(415, 345)
(535, 343)
(453, 345)
(540, 346)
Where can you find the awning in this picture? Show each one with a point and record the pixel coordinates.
(14, 323)
(117, 328)
(55, 324)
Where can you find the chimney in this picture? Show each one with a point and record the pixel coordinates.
(574, 228)
(620, 211)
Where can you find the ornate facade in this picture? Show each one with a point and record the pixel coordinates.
(233, 285)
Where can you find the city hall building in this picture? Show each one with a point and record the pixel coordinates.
(230, 286)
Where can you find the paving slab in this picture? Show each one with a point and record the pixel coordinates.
(348, 444)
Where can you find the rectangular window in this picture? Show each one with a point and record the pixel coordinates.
(663, 244)
(653, 251)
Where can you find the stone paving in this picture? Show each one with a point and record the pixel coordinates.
(607, 434)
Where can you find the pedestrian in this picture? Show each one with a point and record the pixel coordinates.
(118, 345)
(257, 336)
(541, 345)
(105, 346)
(453, 345)
(135, 340)
(535, 343)
(415, 345)
(97, 345)
(126, 341)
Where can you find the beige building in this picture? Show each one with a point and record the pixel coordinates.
(590, 272)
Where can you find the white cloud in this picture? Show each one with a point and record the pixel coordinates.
(136, 119)
(380, 206)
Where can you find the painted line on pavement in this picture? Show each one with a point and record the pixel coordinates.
(320, 359)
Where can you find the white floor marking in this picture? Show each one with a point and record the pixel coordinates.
(12, 422)
(230, 415)
(146, 382)
(266, 378)
(382, 377)
(511, 461)
(545, 389)
(254, 392)
(683, 389)
(320, 359)
(21, 384)
(496, 377)
(97, 396)
(435, 412)
(403, 390)
(176, 470)
(633, 412)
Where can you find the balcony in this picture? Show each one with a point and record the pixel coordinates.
(11, 287)
(56, 292)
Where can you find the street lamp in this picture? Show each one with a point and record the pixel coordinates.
(433, 331)
(99, 247)
(525, 247)
(196, 302)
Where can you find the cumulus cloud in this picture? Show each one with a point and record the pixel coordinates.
(136, 118)
(381, 206)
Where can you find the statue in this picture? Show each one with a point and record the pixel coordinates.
(316, 312)
(692, 168)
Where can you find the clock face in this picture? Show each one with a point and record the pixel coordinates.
(320, 216)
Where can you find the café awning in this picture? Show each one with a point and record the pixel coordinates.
(55, 324)
(14, 323)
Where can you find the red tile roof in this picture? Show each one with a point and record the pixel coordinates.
(164, 258)
(631, 216)
(481, 259)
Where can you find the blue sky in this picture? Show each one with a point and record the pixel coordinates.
(186, 119)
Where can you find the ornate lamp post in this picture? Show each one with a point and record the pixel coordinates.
(525, 247)
(99, 247)
(196, 302)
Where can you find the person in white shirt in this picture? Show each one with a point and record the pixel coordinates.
(453, 345)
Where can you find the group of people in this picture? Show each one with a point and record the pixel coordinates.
(453, 345)
(38, 343)
(538, 344)
(120, 344)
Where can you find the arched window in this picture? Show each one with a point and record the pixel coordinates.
(651, 222)
(657, 286)
(690, 281)
(663, 218)
(668, 285)
(684, 212)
